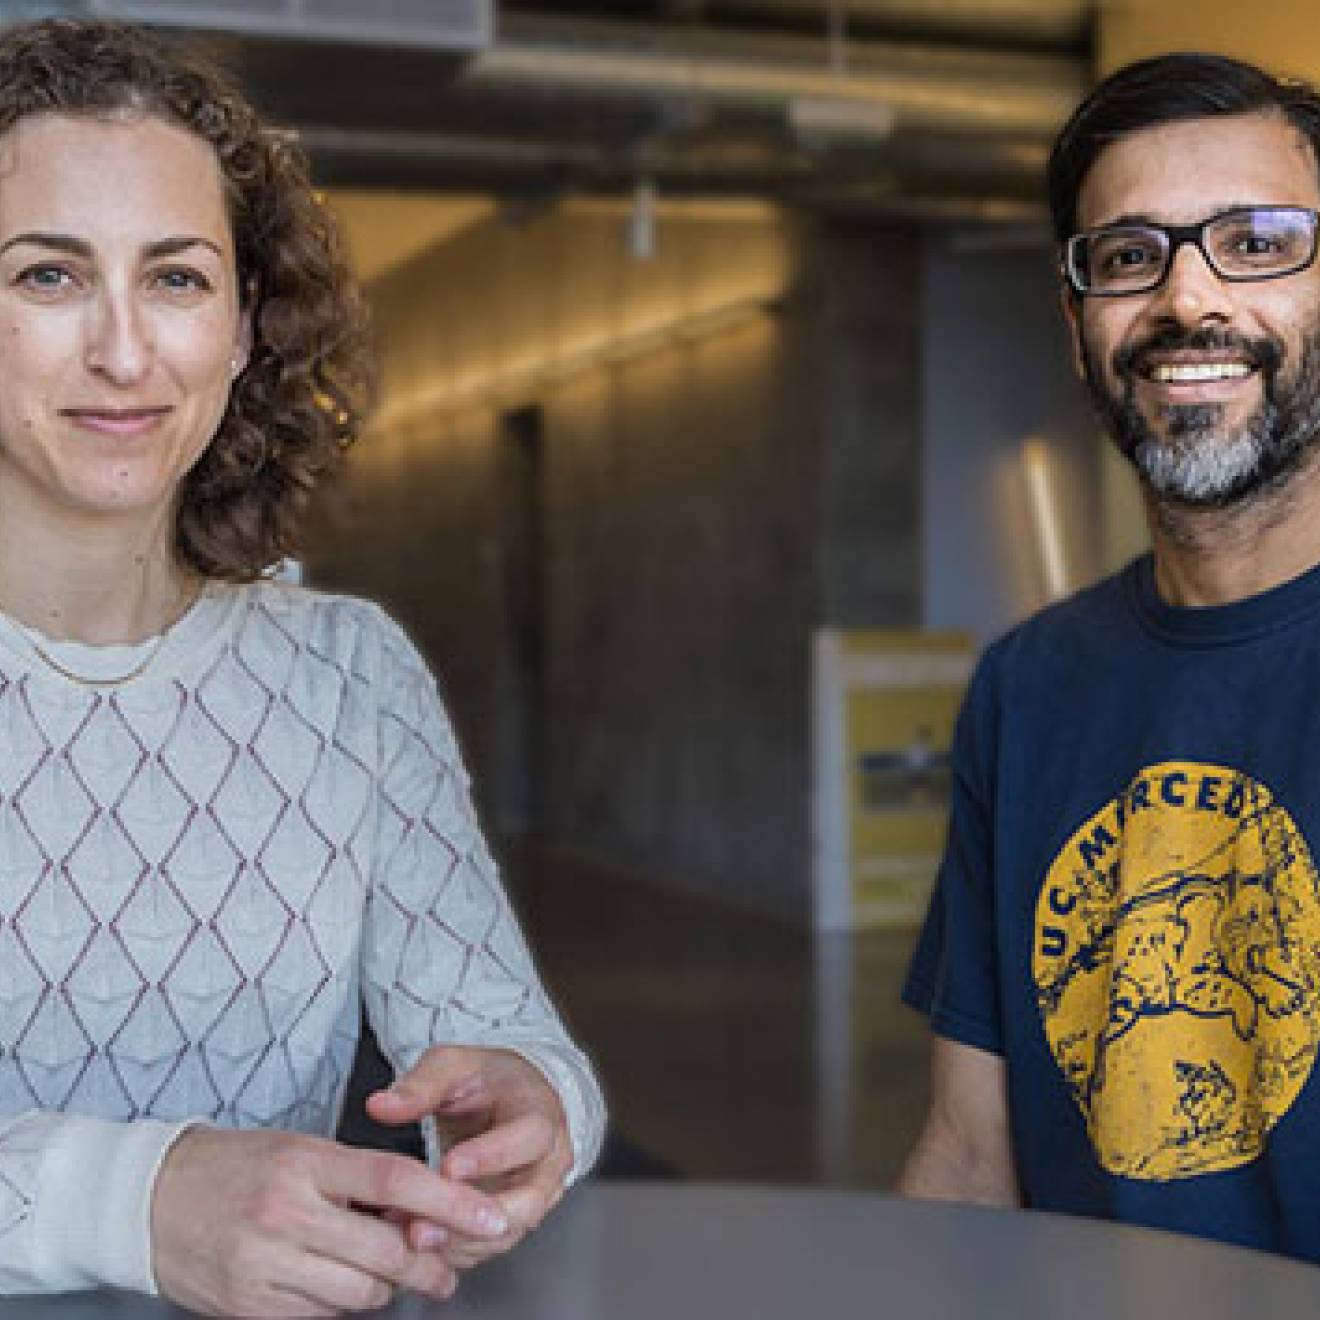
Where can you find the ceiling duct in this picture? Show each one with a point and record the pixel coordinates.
(981, 93)
(1057, 24)
(413, 94)
(446, 25)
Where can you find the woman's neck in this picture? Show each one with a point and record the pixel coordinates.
(93, 582)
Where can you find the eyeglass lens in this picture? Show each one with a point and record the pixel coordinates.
(1249, 244)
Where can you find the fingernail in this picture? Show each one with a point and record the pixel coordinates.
(492, 1222)
(430, 1236)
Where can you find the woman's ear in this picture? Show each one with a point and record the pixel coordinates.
(242, 344)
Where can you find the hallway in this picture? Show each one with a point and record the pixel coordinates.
(731, 1047)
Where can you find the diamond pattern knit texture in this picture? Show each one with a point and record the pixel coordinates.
(203, 871)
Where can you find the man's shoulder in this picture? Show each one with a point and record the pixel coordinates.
(1096, 616)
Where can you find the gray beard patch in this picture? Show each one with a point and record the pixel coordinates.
(1197, 463)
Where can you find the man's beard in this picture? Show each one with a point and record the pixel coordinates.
(1199, 462)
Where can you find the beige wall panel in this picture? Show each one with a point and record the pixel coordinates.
(1281, 35)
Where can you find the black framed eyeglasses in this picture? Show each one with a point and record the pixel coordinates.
(1245, 243)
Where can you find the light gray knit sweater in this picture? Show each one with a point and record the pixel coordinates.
(202, 870)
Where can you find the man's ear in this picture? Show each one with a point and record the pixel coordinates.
(1071, 305)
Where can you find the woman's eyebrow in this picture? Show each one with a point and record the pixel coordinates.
(78, 247)
(170, 247)
(60, 242)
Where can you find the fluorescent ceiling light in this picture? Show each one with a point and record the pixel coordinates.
(1045, 517)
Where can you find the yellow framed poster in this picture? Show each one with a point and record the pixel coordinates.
(884, 706)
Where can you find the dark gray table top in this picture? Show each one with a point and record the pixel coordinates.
(638, 1251)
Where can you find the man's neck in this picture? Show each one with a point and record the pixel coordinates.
(1218, 556)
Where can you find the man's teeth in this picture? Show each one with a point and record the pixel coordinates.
(1184, 371)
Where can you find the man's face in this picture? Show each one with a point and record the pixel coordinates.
(1211, 388)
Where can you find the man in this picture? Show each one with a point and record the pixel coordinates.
(1121, 963)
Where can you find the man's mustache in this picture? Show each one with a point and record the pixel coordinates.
(1264, 353)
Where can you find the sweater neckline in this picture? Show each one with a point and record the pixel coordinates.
(1220, 625)
(104, 662)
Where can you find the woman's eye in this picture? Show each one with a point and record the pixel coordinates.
(182, 279)
(45, 278)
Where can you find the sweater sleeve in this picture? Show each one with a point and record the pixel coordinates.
(444, 961)
(75, 1201)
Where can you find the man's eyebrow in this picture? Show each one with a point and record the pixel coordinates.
(1144, 218)
(77, 247)
(1127, 218)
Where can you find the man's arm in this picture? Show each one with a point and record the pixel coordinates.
(965, 1150)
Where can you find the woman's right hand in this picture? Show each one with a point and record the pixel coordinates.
(280, 1224)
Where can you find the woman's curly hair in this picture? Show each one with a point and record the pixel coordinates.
(301, 398)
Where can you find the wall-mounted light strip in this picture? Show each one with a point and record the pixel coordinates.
(1045, 517)
(520, 381)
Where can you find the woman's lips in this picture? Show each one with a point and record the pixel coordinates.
(121, 422)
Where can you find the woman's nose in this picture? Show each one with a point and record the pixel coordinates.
(119, 342)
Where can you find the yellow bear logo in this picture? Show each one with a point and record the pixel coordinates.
(1177, 970)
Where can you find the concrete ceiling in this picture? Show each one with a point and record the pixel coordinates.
(799, 100)
(936, 108)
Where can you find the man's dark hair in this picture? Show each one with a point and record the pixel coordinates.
(1167, 89)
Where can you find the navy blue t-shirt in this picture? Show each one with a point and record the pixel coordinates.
(1128, 909)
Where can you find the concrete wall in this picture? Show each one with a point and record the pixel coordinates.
(705, 496)
(869, 277)
(997, 372)
(681, 594)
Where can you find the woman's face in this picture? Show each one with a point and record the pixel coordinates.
(120, 322)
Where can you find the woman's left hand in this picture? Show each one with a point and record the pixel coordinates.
(506, 1134)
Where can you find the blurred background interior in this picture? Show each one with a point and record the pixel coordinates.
(726, 411)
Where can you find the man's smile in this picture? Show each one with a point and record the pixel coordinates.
(1183, 372)
(1187, 376)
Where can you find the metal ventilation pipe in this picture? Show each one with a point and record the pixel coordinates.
(981, 93)
(1033, 22)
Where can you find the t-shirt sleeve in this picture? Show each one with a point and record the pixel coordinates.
(444, 961)
(953, 974)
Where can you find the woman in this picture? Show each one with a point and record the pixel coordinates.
(229, 808)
